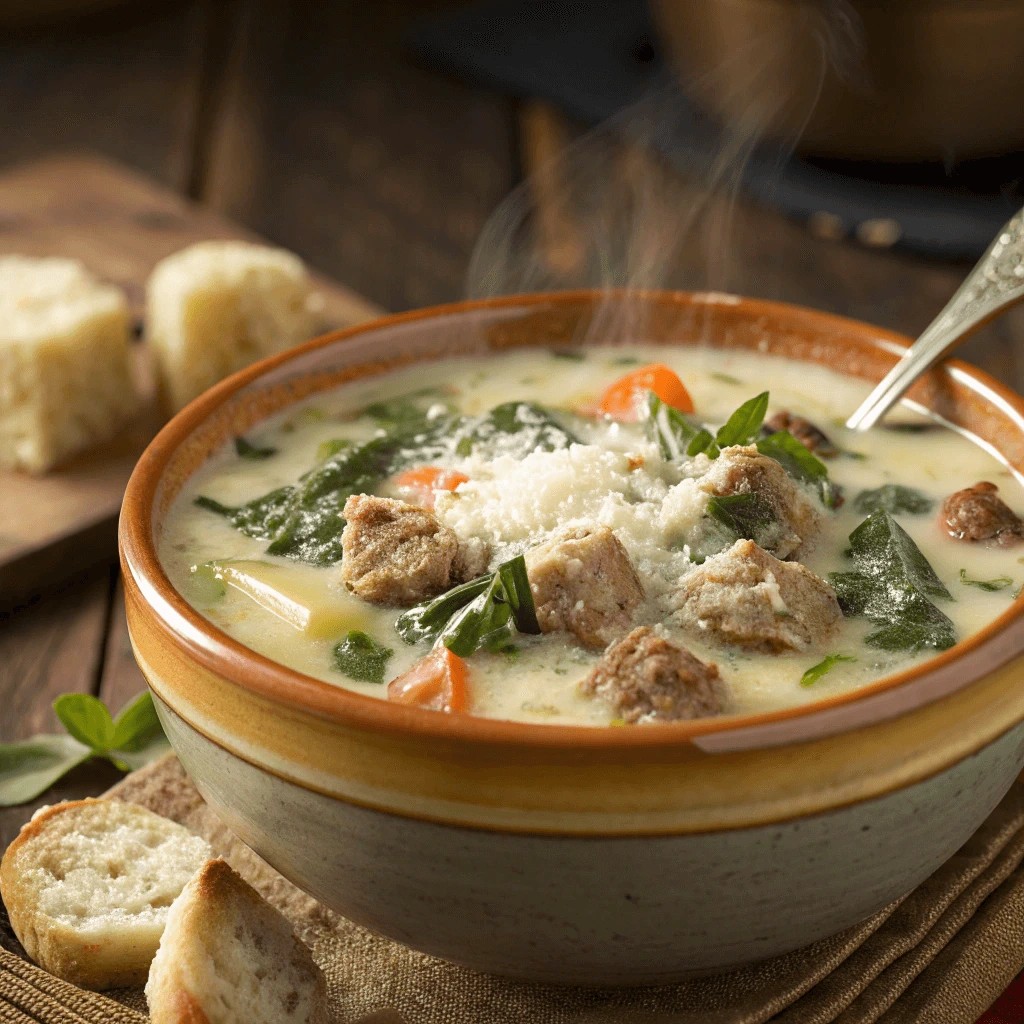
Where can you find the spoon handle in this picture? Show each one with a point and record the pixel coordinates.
(995, 283)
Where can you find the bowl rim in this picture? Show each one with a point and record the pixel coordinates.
(203, 641)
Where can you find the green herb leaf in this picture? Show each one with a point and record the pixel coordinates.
(138, 736)
(326, 449)
(32, 766)
(800, 464)
(894, 499)
(425, 621)
(703, 442)
(999, 583)
(360, 657)
(726, 378)
(891, 587)
(815, 672)
(747, 516)
(518, 594)
(246, 450)
(668, 428)
(259, 518)
(573, 355)
(87, 719)
(515, 429)
(744, 425)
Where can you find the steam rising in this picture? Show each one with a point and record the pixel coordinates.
(609, 211)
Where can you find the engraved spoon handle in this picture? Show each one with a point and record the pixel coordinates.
(995, 283)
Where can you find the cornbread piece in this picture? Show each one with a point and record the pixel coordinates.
(88, 884)
(398, 554)
(228, 957)
(216, 307)
(65, 376)
(648, 679)
(810, 436)
(978, 513)
(744, 470)
(747, 596)
(583, 582)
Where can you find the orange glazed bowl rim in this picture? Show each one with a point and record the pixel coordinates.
(870, 351)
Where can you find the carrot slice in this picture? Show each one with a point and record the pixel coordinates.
(624, 399)
(424, 482)
(437, 682)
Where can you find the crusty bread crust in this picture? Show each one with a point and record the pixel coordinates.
(228, 957)
(110, 959)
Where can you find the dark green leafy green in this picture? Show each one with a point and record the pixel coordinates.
(815, 672)
(360, 657)
(131, 740)
(800, 464)
(515, 429)
(406, 414)
(890, 586)
(894, 499)
(744, 425)
(999, 583)
(326, 449)
(667, 427)
(485, 613)
(259, 518)
(246, 450)
(746, 516)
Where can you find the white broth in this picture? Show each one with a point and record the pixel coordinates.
(514, 502)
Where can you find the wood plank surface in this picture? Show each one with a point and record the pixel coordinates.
(120, 224)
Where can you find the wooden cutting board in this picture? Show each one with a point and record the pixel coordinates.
(119, 224)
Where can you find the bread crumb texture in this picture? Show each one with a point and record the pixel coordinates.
(216, 307)
(88, 885)
(228, 957)
(65, 373)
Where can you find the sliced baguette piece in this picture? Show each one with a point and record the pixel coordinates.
(228, 957)
(88, 885)
(216, 307)
(65, 362)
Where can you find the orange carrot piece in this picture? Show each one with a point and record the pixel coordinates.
(624, 399)
(425, 481)
(437, 682)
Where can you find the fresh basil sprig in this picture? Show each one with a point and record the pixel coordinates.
(993, 585)
(815, 672)
(744, 425)
(133, 739)
(485, 613)
(891, 586)
(801, 464)
(676, 436)
(247, 450)
(895, 499)
(360, 657)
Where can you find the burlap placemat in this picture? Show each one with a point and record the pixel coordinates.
(942, 954)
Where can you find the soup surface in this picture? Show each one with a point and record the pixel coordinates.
(522, 448)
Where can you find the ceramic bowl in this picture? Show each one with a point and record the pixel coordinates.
(567, 853)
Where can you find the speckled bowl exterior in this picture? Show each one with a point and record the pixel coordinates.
(569, 853)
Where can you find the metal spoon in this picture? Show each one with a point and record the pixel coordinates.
(995, 283)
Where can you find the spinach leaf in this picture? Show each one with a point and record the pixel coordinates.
(360, 657)
(326, 449)
(485, 613)
(891, 586)
(999, 583)
(259, 518)
(747, 516)
(246, 450)
(667, 427)
(800, 464)
(513, 428)
(815, 672)
(405, 414)
(894, 499)
(744, 425)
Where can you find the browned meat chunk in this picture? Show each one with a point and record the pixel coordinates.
(804, 431)
(648, 679)
(978, 513)
(394, 553)
(583, 582)
(747, 596)
(742, 470)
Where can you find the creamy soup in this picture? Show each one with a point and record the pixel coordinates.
(565, 447)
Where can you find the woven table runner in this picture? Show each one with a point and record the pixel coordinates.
(942, 954)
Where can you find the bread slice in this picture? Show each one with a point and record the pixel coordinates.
(88, 885)
(65, 371)
(216, 307)
(228, 957)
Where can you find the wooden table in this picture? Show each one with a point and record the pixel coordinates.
(308, 124)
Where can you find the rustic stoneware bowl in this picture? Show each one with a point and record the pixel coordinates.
(567, 853)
